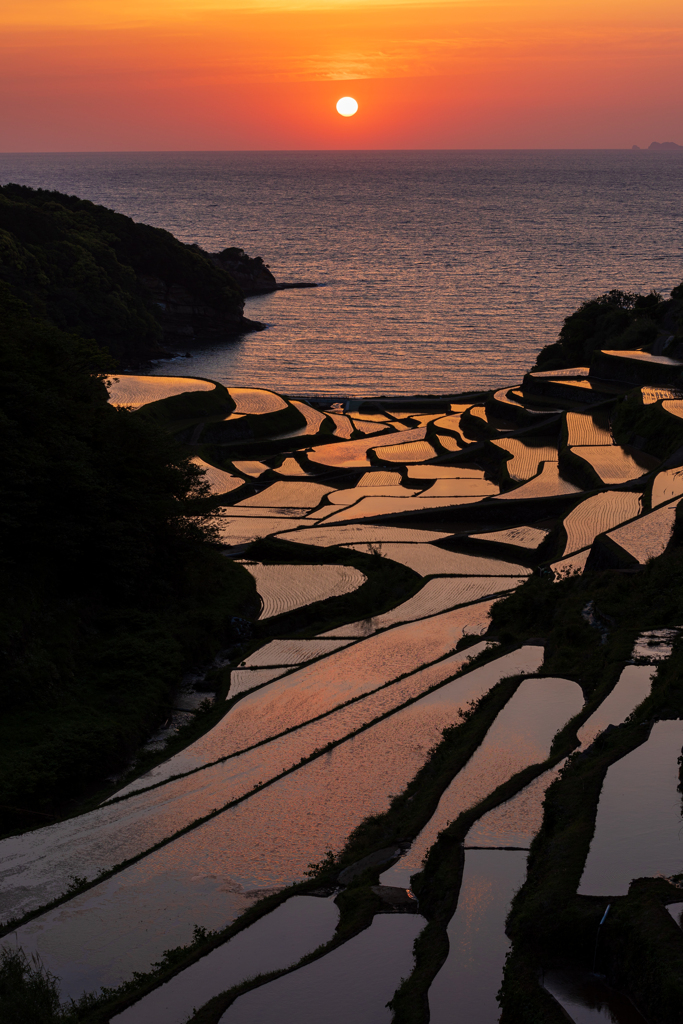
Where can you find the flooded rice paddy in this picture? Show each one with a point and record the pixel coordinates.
(438, 594)
(352, 983)
(278, 940)
(467, 984)
(548, 484)
(520, 736)
(614, 464)
(639, 830)
(132, 391)
(647, 537)
(321, 733)
(428, 560)
(598, 514)
(633, 686)
(282, 588)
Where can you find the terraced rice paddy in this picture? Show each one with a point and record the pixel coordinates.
(666, 485)
(372, 507)
(449, 422)
(361, 533)
(448, 442)
(438, 472)
(280, 939)
(290, 467)
(380, 478)
(515, 822)
(437, 595)
(133, 391)
(354, 454)
(285, 587)
(614, 464)
(255, 401)
(528, 537)
(596, 515)
(408, 451)
(571, 566)
(639, 831)
(548, 484)
(376, 960)
(586, 429)
(288, 495)
(244, 679)
(652, 395)
(314, 418)
(432, 561)
(648, 536)
(526, 457)
(218, 480)
(367, 426)
(521, 735)
(354, 494)
(321, 733)
(454, 487)
(343, 427)
(289, 652)
(250, 467)
(633, 686)
(473, 971)
(234, 531)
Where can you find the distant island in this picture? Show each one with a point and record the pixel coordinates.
(663, 147)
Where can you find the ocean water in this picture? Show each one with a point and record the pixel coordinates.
(440, 271)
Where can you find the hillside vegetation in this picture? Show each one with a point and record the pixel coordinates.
(109, 590)
(135, 289)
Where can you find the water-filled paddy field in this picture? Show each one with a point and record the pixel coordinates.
(368, 809)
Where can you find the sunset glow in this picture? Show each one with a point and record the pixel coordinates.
(224, 75)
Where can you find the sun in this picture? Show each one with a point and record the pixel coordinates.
(347, 106)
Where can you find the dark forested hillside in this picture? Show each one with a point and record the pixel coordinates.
(618, 320)
(136, 290)
(109, 590)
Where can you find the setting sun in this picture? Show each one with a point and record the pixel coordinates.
(347, 106)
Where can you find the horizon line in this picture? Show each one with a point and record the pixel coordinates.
(462, 149)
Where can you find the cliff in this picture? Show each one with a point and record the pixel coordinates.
(135, 289)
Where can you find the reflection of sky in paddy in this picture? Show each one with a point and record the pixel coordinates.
(118, 831)
(281, 938)
(638, 831)
(516, 822)
(267, 840)
(465, 988)
(633, 686)
(352, 983)
(435, 596)
(521, 735)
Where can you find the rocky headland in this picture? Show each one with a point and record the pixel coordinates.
(134, 289)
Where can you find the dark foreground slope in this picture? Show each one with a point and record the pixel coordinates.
(109, 591)
(136, 290)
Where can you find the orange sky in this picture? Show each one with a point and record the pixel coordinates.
(227, 74)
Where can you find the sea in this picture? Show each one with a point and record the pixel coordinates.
(438, 271)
